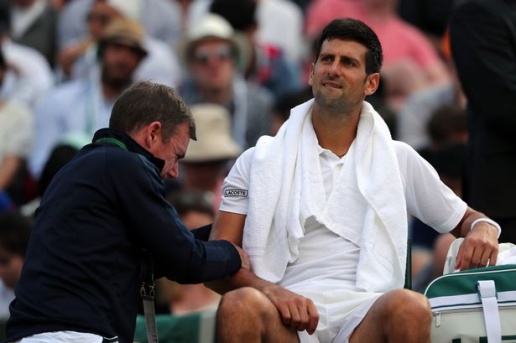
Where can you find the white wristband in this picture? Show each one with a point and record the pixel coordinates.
(487, 220)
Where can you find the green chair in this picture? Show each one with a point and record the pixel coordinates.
(196, 327)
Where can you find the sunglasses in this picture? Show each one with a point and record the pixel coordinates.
(221, 53)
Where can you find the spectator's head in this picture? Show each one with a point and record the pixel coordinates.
(99, 16)
(193, 206)
(14, 237)
(62, 153)
(103, 12)
(211, 53)
(449, 160)
(349, 29)
(448, 123)
(121, 50)
(158, 119)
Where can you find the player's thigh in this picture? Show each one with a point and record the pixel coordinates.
(399, 309)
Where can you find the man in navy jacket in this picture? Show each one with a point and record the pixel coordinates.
(104, 225)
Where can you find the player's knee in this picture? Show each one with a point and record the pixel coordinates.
(243, 303)
(410, 306)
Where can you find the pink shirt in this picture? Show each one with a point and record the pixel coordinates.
(321, 12)
(402, 41)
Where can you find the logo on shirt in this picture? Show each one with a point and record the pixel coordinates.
(236, 193)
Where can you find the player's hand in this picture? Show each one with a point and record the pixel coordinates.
(479, 248)
(296, 311)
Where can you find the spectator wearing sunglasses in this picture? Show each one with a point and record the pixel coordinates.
(213, 58)
(268, 64)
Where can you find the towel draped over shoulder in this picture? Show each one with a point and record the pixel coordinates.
(285, 190)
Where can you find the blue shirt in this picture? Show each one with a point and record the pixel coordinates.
(73, 107)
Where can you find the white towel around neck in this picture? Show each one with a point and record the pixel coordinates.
(284, 189)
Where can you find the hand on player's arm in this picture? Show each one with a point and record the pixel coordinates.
(296, 311)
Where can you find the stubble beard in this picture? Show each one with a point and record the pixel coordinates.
(116, 82)
(335, 105)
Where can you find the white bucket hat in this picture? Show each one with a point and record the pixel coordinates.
(214, 141)
(212, 26)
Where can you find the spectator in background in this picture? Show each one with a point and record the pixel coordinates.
(447, 124)
(264, 64)
(208, 159)
(483, 42)
(195, 207)
(61, 154)
(160, 19)
(16, 136)
(280, 23)
(14, 237)
(34, 24)
(79, 59)
(98, 17)
(29, 75)
(84, 105)
(212, 55)
(415, 113)
(59, 4)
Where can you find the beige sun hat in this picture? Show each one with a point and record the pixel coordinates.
(214, 141)
(126, 32)
(212, 26)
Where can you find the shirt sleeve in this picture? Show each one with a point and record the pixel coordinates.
(428, 198)
(235, 190)
(158, 229)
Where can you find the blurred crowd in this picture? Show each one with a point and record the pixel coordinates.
(241, 65)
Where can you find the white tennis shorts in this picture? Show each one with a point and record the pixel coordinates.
(340, 312)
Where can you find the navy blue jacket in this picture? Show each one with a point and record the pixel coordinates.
(101, 222)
